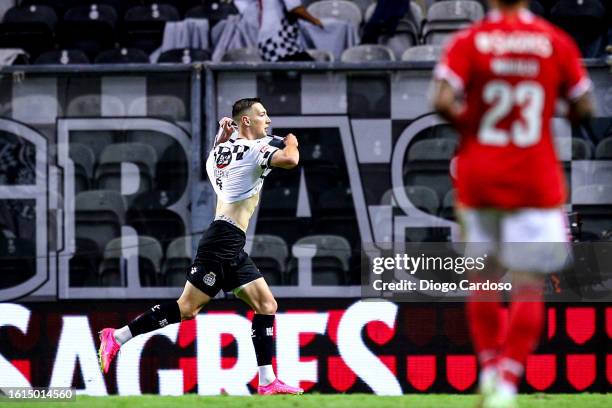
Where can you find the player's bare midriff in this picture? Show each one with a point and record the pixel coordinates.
(239, 212)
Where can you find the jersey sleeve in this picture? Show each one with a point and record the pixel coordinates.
(264, 155)
(454, 64)
(575, 81)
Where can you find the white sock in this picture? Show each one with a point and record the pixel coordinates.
(506, 388)
(122, 335)
(266, 375)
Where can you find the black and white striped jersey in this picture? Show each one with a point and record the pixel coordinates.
(237, 168)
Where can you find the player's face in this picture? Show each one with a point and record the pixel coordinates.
(259, 120)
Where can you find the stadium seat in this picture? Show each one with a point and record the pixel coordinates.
(122, 56)
(163, 106)
(417, 13)
(149, 215)
(91, 105)
(321, 55)
(84, 161)
(270, 253)
(338, 9)
(172, 169)
(184, 56)
(446, 17)
(58, 6)
(423, 198)
(603, 151)
(88, 28)
(108, 174)
(157, 140)
(96, 140)
(62, 57)
(289, 228)
(177, 263)
(84, 264)
(181, 5)
(17, 261)
(447, 211)
(144, 25)
(405, 37)
(213, 10)
(429, 53)
(30, 28)
(330, 265)
(113, 267)
(428, 164)
(241, 55)
(367, 53)
(99, 215)
(581, 149)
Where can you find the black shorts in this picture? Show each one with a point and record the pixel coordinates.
(221, 263)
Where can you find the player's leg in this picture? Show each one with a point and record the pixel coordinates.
(198, 291)
(536, 244)
(251, 287)
(484, 308)
(258, 296)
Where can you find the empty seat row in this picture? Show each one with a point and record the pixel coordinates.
(89, 267)
(100, 214)
(106, 170)
(96, 27)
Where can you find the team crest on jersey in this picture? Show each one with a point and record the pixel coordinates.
(210, 278)
(223, 157)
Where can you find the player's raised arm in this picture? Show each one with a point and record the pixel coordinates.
(225, 131)
(289, 156)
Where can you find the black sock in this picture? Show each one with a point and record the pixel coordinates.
(262, 335)
(155, 318)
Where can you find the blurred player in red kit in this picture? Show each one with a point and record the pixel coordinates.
(498, 82)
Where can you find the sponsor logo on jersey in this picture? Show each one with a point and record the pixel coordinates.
(210, 278)
(223, 157)
(498, 43)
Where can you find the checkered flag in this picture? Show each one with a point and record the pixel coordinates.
(285, 42)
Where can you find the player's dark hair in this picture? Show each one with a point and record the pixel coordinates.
(509, 2)
(241, 106)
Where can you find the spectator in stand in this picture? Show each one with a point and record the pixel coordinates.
(279, 33)
(387, 15)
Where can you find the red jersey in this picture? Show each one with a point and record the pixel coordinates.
(511, 69)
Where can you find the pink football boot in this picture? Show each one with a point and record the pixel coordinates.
(278, 387)
(108, 348)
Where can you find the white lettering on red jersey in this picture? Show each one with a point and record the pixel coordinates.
(511, 69)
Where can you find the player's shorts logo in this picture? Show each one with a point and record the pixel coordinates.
(210, 278)
(223, 157)
(194, 269)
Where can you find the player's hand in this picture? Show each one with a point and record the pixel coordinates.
(290, 139)
(318, 23)
(226, 129)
